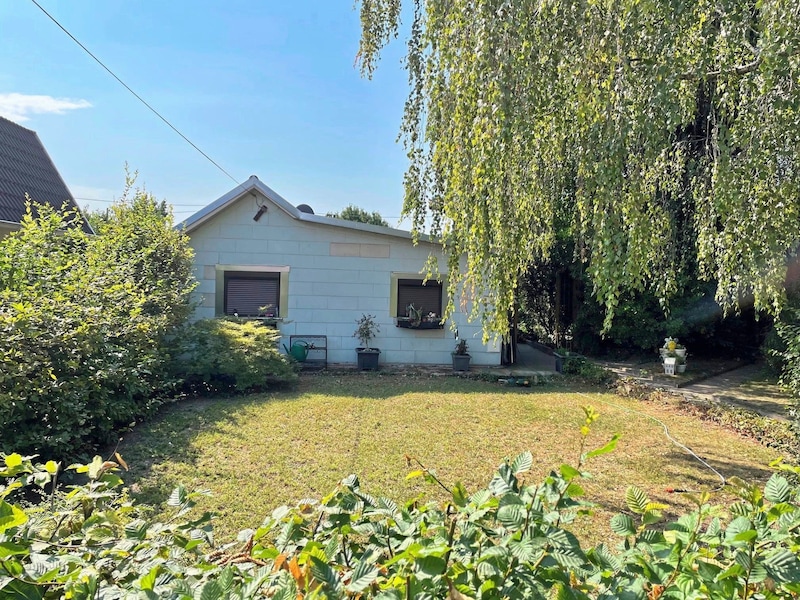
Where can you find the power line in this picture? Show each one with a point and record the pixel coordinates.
(138, 97)
(113, 201)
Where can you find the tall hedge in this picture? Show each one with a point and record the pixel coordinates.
(83, 324)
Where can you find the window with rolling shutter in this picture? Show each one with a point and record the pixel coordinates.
(246, 293)
(426, 298)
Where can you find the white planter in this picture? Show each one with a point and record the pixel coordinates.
(681, 352)
(681, 368)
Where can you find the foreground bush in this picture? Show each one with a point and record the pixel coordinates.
(84, 322)
(506, 541)
(228, 355)
(787, 353)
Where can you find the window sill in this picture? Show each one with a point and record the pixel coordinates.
(406, 323)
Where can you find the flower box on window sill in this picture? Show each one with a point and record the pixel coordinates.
(407, 323)
(266, 321)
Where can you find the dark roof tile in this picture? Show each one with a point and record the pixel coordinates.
(26, 168)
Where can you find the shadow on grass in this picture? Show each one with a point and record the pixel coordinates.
(171, 437)
(383, 385)
(701, 477)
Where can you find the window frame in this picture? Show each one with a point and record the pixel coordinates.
(398, 313)
(224, 272)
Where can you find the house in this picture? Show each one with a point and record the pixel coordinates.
(256, 255)
(26, 168)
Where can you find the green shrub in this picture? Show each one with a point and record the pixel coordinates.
(788, 330)
(587, 371)
(225, 355)
(772, 349)
(83, 325)
(509, 540)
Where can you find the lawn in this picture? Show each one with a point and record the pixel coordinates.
(257, 452)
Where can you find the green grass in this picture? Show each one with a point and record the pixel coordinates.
(257, 452)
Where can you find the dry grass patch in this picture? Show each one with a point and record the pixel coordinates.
(257, 452)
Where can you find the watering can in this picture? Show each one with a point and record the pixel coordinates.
(298, 351)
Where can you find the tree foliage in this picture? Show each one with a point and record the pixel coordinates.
(85, 323)
(643, 119)
(354, 213)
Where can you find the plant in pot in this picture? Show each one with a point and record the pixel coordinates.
(365, 331)
(680, 363)
(460, 355)
(672, 347)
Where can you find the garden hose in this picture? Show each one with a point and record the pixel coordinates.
(675, 442)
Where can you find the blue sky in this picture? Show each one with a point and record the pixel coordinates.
(265, 88)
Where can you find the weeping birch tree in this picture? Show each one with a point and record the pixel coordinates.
(638, 117)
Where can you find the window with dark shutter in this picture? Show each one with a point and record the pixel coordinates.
(246, 293)
(425, 298)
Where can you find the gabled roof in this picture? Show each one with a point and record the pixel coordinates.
(26, 168)
(255, 184)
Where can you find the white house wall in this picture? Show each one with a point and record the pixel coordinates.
(335, 275)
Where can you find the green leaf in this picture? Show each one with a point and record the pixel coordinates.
(603, 557)
(623, 525)
(687, 584)
(512, 512)
(325, 575)
(363, 575)
(609, 447)
(522, 463)
(11, 516)
(568, 557)
(568, 472)
(225, 581)
(777, 489)
(783, 565)
(430, 566)
(43, 567)
(736, 527)
(636, 500)
(10, 549)
(178, 496)
(136, 530)
(148, 581)
(525, 550)
(211, 591)
(460, 495)
(13, 589)
(503, 481)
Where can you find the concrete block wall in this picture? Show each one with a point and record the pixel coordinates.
(335, 275)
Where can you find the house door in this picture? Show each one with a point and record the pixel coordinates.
(508, 350)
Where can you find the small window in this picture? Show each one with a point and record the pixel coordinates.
(252, 294)
(426, 298)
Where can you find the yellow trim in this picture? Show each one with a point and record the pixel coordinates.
(394, 285)
(219, 289)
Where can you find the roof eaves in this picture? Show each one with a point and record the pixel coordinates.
(255, 184)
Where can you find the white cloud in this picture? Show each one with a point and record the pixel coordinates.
(17, 107)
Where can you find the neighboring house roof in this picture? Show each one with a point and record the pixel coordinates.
(255, 184)
(26, 168)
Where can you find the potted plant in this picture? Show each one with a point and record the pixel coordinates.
(671, 345)
(416, 318)
(680, 363)
(460, 356)
(365, 332)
